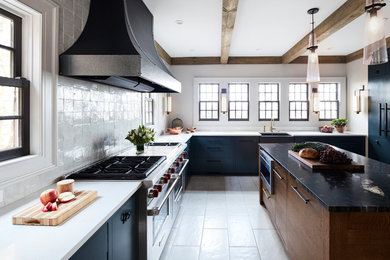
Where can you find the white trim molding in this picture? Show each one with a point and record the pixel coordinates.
(40, 66)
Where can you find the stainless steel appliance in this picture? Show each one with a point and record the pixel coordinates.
(266, 167)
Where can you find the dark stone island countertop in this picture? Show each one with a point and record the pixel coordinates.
(339, 191)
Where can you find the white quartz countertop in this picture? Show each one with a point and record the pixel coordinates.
(183, 137)
(61, 242)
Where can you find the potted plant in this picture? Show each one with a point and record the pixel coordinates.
(339, 124)
(141, 136)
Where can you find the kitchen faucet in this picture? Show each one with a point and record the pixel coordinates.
(271, 127)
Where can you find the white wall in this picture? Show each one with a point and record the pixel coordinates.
(357, 76)
(183, 103)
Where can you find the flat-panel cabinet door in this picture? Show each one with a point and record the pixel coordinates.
(245, 155)
(305, 235)
(280, 194)
(95, 248)
(123, 235)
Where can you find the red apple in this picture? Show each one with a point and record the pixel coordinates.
(66, 197)
(48, 196)
(54, 206)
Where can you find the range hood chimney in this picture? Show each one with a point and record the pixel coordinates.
(117, 48)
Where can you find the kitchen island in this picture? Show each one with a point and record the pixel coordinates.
(329, 214)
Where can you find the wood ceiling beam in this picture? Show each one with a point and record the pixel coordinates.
(229, 12)
(252, 60)
(163, 54)
(345, 14)
(359, 53)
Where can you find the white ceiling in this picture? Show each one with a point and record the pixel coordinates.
(262, 28)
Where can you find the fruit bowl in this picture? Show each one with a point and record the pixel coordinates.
(192, 130)
(326, 129)
(175, 131)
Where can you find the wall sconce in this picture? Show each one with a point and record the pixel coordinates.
(168, 105)
(316, 99)
(223, 101)
(357, 107)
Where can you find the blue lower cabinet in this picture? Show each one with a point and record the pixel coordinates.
(355, 144)
(96, 247)
(246, 155)
(116, 239)
(224, 155)
(122, 232)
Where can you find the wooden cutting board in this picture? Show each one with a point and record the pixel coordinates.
(34, 215)
(317, 165)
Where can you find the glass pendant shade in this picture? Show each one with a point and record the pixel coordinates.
(316, 98)
(375, 50)
(313, 68)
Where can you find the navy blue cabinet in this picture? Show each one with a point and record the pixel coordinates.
(378, 85)
(355, 144)
(224, 154)
(122, 232)
(96, 247)
(116, 239)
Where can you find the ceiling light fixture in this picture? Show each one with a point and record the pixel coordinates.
(313, 68)
(375, 50)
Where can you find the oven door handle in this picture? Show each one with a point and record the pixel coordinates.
(156, 210)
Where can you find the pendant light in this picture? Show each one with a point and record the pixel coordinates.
(313, 68)
(375, 50)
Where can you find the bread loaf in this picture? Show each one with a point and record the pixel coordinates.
(65, 186)
(309, 153)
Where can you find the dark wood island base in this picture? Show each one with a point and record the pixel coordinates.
(309, 231)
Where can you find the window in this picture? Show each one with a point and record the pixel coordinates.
(329, 101)
(209, 101)
(148, 110)
(299, 102)
(268, 101)
(238, 96)
(14, 92)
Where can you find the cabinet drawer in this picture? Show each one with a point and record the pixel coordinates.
(215, 147)
(268, 200)
(212, 165)
(280, 194)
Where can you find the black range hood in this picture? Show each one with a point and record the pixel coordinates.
(117, 48)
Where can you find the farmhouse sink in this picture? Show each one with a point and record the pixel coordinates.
(274, 134)
(276, 137)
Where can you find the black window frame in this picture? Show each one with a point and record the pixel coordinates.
(300, 101)
(17, 82)
(229, 101)
(218, 102)
(262, 101)
(148, 99)
(337, 101)
(24, 85)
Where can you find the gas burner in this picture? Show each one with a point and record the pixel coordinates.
(120, 168)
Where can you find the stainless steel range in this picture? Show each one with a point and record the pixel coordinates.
(161, 169)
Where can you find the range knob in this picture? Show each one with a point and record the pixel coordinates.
(168, 175)
(153, 193)
(181, 159)
(176, 164)
(171, 170)
(158, 187)
(184, 153)
(164, 180)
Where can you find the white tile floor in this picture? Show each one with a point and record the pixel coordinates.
(221, 218)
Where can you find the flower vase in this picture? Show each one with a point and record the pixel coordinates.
(140, 148)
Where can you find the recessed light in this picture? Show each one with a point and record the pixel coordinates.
(192, 50)
(259, 49)
(179, 22)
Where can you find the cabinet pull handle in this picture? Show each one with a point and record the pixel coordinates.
(380, 119)
(277, 174)
(386, 108)
(265, 193)
(299, 194)
(125, 217)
